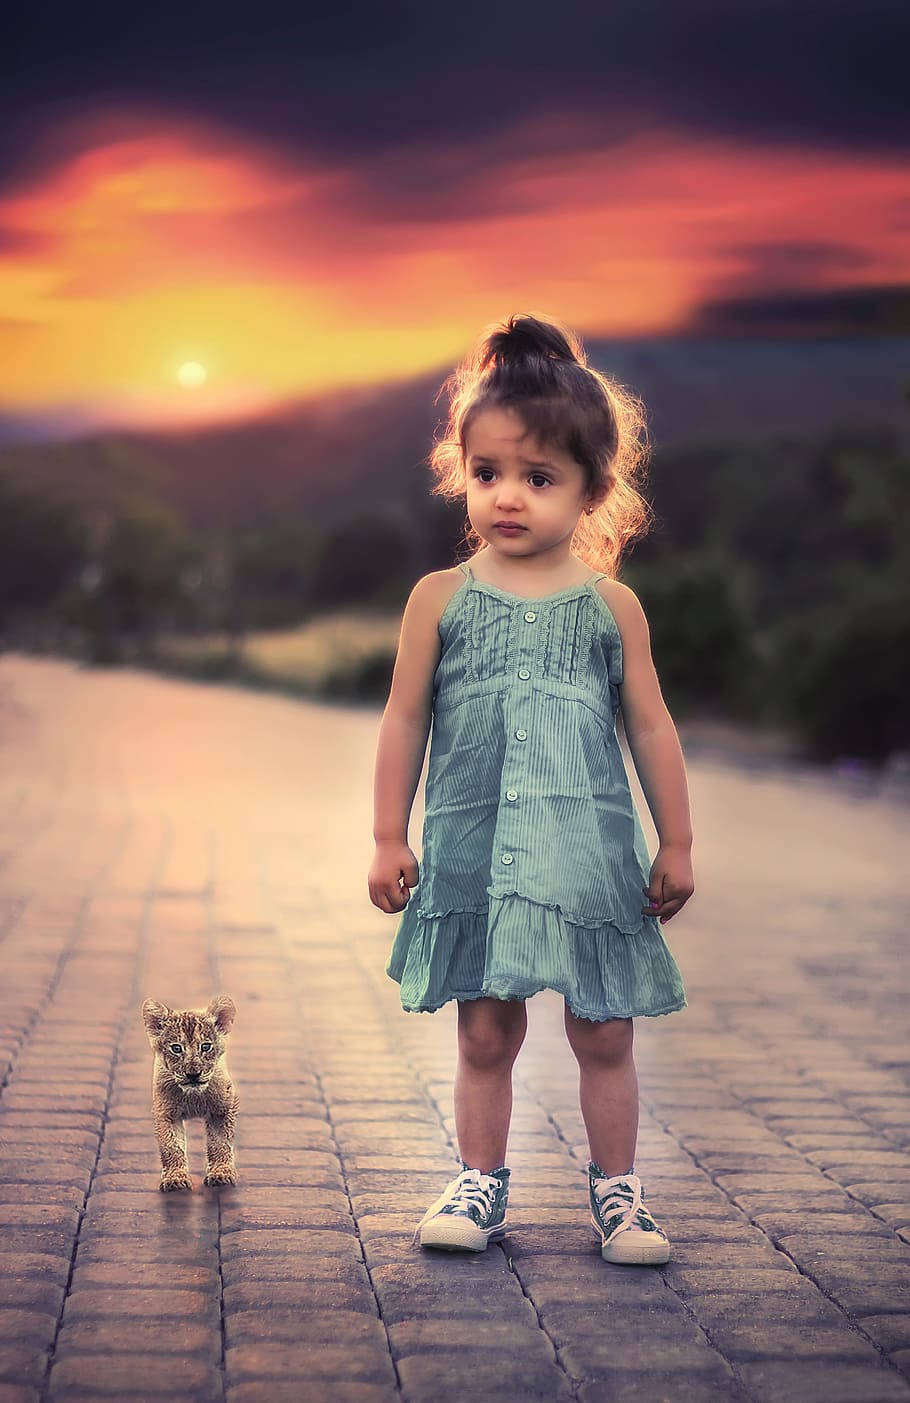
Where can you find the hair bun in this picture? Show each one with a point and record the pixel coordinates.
(527, 336)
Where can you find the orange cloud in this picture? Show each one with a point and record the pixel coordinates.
(156, 246)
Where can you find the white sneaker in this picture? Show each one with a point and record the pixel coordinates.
(469, 1214)
(626, 1229)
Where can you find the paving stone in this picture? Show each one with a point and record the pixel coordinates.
(38, 1217)
(284, 1359)
(822, 1381)
(292, 1133)
(247, 1243)
(31, 1293)
(131, 1374)
(437, 1376)
(163, 1276)
(23, 1324)
(696, 1281)
(37, 1241)
(23, 1362)
(288, 1198)
(875, 1191)
(596, 1356)
(160, 1249)
(417, 1292)
(751, 1339)
(848, 1221)
(412, 1112)
(153, 1222)
(60, 1196)
(806, 1305)
(117, 1335)
(18, 1393)
(313, 1327)
(520, 1333)
(860, 1289)
(89, 1302)
(621, 1385)
(317, 1292)
(276, 1267)
(301, 1391)
(890, 1332)
(50, 1267)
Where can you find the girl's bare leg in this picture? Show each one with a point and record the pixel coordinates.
(608, 1089)
(490, 1034)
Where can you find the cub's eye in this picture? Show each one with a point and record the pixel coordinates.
(206, 1047)
(176, 1047)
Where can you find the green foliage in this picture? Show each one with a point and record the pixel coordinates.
(774, 581)
(40, 547)
(697, 615)
(844, 677)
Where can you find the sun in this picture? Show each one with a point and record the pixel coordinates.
(192, 374)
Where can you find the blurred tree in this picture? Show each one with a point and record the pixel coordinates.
(352, 564)
(40, 548)
(845, 678)
(273, 570)
(131, 585)
(698, 619)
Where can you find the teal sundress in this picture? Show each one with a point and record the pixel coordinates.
(533, 856)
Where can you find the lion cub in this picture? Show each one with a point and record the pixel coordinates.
(190, 1079)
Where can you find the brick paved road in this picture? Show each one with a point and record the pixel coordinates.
(170, 839)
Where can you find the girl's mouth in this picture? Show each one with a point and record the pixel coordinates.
(510, 530)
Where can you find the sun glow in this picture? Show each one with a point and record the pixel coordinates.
(192, 374)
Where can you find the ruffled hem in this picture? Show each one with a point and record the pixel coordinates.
(518, 947)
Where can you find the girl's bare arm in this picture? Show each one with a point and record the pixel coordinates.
(652, 736)
(406, 719)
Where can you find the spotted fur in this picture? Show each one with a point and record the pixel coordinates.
(190, 1079)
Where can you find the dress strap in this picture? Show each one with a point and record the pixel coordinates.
(602, 575)
(465, 569)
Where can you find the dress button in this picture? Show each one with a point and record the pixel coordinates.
(523, 672)
(511, 794)
(521, 735)
(530, 616)
(506, 858)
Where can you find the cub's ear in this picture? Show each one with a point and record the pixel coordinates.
(154, 1016)
(222, 1012)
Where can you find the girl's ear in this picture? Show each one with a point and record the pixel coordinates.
(154, 1016)
(222, 1012)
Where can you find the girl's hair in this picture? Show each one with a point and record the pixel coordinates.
(538, 368)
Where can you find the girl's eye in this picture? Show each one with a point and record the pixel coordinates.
(480, 471)
(176, 1047)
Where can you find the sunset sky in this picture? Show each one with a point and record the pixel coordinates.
(198, 220)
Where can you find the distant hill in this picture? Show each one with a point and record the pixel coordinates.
(370, 446)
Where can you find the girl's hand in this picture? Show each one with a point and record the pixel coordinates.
(671, 882)
(392, 874)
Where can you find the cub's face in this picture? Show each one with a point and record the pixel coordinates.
(189, 1043)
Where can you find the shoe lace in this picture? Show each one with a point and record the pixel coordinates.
(614, 1195)
(470, 1186)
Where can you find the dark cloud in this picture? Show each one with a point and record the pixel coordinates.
(791, 263)
(356, 80)
(848, 312)
(797, 258)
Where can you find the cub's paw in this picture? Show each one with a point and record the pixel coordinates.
(175, 1179)
(222, 1173)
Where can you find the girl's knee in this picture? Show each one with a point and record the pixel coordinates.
(604, 1043)
(491, 1031)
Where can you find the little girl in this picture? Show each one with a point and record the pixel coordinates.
(535, 871)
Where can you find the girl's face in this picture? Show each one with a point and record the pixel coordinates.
(511, 477)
